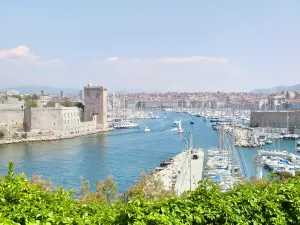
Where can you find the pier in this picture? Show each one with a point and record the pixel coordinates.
(191, 172)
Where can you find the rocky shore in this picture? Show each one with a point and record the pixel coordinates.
(171, 170)
(50, 138)
(243, 137)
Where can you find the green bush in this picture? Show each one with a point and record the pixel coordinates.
(34, 201)
(2, 133)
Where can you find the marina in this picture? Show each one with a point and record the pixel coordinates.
(124, 153)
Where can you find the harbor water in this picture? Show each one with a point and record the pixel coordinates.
(122, 153)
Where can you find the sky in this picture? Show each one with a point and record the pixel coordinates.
(155, 45)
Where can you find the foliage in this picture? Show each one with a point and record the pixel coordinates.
(79, 105)
(34, 201)
(2, 133)
(68, 104)
(149, 188)
(106, 191)
(30, 103)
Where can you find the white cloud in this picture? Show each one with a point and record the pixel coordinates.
(22, 56)
(193, 59)
(112, 59)
(169, 60)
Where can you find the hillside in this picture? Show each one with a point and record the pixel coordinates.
(278, 89)
(37, 89)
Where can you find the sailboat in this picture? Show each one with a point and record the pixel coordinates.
(180, 130)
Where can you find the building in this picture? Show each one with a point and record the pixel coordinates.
(60, 120)
(276, 119)
(81, 95)
(95, 103)
(43, 93)
(274, 101)
(62, 94)
(12, 92)
(43, 100)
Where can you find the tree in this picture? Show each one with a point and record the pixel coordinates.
(68, 104)
(30, 103)
(2, 133)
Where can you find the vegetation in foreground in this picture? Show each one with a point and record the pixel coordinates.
(33, 201)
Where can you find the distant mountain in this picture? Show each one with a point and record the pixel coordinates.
(37, 89)
(278, 89)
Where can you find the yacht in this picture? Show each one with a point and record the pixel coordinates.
(176, 123)
(180, 130)
(126, 124)
(268, 141)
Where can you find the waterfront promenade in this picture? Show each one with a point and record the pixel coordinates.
(191, 173)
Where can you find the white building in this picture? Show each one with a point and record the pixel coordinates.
(12, 92)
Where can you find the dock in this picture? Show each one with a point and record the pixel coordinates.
(190, 173)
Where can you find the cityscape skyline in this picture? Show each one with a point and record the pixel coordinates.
(158, 46)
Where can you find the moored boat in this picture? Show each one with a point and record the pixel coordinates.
(126, 124)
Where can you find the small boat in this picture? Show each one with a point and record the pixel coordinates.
(268, 141)
(287, 136)
(298, 146)
(126, 124)
(147, 129)
(192, 122)
(180, 130)
(176, 123)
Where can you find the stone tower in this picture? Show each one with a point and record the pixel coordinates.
(95, 103)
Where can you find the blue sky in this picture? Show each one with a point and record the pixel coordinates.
(151, 45)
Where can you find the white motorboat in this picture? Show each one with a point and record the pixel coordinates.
(268, 141)
(176, 123)
(147, 129)
(180, 130)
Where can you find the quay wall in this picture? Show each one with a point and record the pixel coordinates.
(48, 136)
(276, 119)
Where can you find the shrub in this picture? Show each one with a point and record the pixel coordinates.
(2, 133)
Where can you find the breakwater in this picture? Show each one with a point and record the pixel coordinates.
(172, 170)
(243, 136)
(182, 172)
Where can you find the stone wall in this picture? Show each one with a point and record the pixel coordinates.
(278, 119)
(61, 120)
(11, 116)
